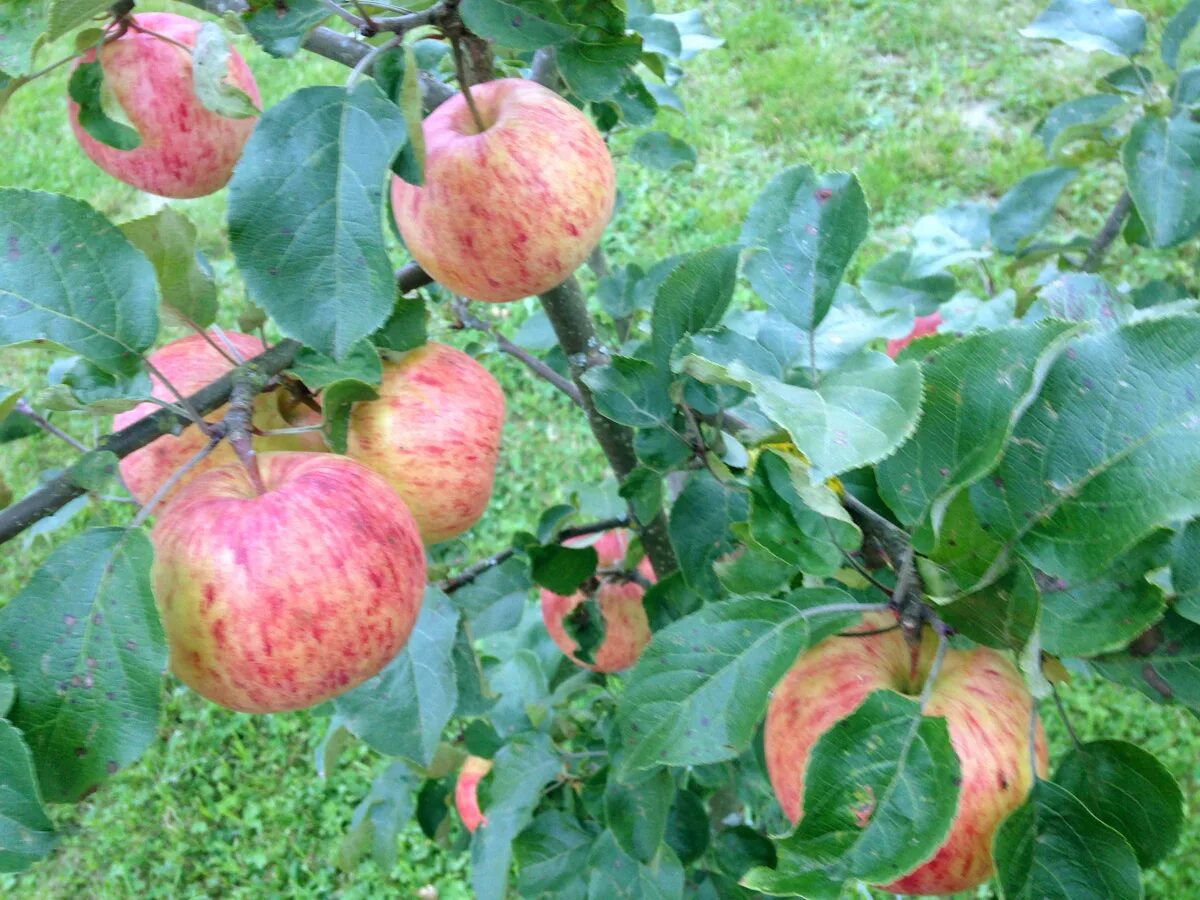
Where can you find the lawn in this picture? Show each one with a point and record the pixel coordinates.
(929, 101)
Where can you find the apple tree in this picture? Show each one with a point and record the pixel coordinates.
(864, 529)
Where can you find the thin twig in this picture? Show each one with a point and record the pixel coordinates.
(177, 476)
(1062, 712)
(47, 426)
(234, 354)
(338, 10)
(1108, 233)
(185, 402)
(133, 25)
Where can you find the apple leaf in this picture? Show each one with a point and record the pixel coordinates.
(1185, 571)
(520, 683)
(613, 873)
(880, 793)
(699, 526)
(67, 15)
(636, 805)
(801, 233)
(168, 238)
(659, 150)
(377, 820)
(210, 71)
(522, 768)
(562, 569)
(693, 295)
(701, 686)
(67, 275)
(630, 391)
(23, 26)
(1130, 791)
(552, 857)
(1070, 496)
(1177, 31)
(87, 654)
(1163, 663)
(493, 601)
(318, 371)
(337, 401)
(975, 391)
(1027, 207)
(86, 88)
(417, 688)
(1162, 162)
(595, 69)
(1002, 615)
(1081, 118)
(519, 24)
(281, 29)
(1081, 297)
(8, 693)
(26, 833)
(1053, 848)
(1090, 25)
(688, 829)
(306, 214)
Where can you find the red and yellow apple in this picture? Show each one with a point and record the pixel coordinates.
(434, 434)
(186, 149)
(626, 627)
(922, 326)
(466, 791)
(190, 364)
(282, 600)
(511, 210)
(987, 709)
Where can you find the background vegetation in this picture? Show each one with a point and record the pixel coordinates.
(930, 101)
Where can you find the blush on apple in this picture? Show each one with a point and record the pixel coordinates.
(513, 210)
(922, 326)
(466, 791)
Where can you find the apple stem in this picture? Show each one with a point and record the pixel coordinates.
(464, 83)
(935, 669)
(47, 426)
(185, 402)
(176, 476)
(154, 34)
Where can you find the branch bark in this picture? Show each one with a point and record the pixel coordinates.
(1107, 234)
(56, 493)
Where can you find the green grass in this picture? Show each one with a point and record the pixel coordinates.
(929, 101)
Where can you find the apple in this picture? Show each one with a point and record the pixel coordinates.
(626, 628)
(922, 326)
(466, 791)
(282, 600)
(987, 709)
(434, 434)
(191, 363)
(514, 209)
(186, 149)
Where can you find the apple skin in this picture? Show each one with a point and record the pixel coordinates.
(627, 630)
(191, 363)
(987, 709)
(922, 326)
(186, 150)
(434, 434)
(466, 791)
(282, 600)
(514, 210)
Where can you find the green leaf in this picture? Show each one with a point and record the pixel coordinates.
(659, 150)
(802, 232)
(1185, 571)
(68, 275)
(687, 827)
(210, 68)
(87, 653)
(975, 391)
(740, 848)
(1074, 509)
(699, 527)
(75, 384)
(94, 470)
(67, 15)
(694, 35)
(22, 26)
(701, 686)
(1090, 26)
(1163, 663)
(1080, 297)
(416, 688)
(614, 874)
(1027, 207)
(493, 601)
(1086, 617)
(1185, 92)
(8, 693)
(636, 805)
(692, 297)
(8, 400)
(519, 24)
(643, 488)
(1162, 162)
(336, 402)
(521, 685)
(630, 391)
(880, 793)
(1178, 28)
(26, 833)
(1052, 848)
(562, 569)
(377, 820)
(1083, 118)
(595, 69)
(1131, 79)
(168, 239)
(412, 107)
(1128, 790)
(1002, 615)
(305, 214)
(280, 30)
(892, 284)
(317, 370)
(523, 766)
(86, 88)
(405, 328)
(552, 857)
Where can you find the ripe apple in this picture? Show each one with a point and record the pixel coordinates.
(186, 149)
(513, 210)
(987, 709)
(434, 434)
(191, 363)
(626, 628)
(466, 791)
(282, 600)
(922, 326)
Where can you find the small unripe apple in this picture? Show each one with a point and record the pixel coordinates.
(626, 627)
(514, 209)
(466, 791)
(186, 149)
(434, 434)
(190, 364)
(987, 710)
(282, 600)
(922, 326)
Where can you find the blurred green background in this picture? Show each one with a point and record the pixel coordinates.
(929, 101)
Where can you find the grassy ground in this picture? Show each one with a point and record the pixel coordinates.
(929, 101)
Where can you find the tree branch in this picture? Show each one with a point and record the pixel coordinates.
(56, 493)
(47, 426)
(1108, 233)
